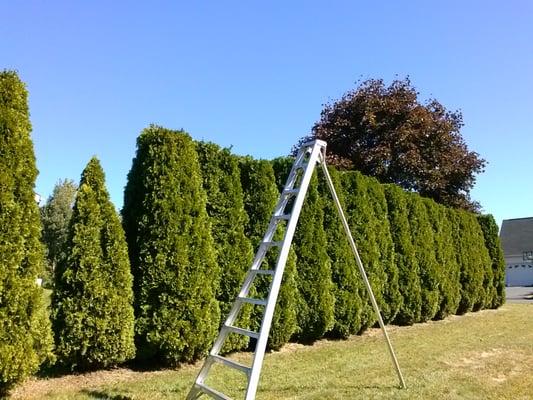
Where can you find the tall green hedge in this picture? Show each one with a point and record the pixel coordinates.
(362, 221)
(492, 243)
(448, 269)
(171, 249)
(93, 299)
(473, 258)
(260, 197)
(345, 274)
(405, 256)
(225, 207)
(392, 297)
(315, 308)
(25, 335)
(423, 241)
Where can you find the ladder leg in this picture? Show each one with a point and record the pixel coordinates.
(361, 269)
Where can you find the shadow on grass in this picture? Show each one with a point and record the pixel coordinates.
(101, 395)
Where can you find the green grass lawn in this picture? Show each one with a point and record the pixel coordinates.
(484, 355)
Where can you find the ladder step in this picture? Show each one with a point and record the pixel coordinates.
(212, 392)
(242, 331)
(263, 271)
(232, 364)
(283, 216)
(291, 191)
(249, 300)
(272, 244)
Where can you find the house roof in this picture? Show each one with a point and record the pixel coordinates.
(516, 235)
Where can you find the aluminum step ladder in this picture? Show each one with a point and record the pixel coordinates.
(287, 209)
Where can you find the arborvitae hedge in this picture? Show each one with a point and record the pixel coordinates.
(406, 260)
(362, 221)
(222, 183)
(93, 298)
(492, 243)
(448, 269)
(25, 335)
(423, 241)
(260, 197)
(392, 297)
(171, 249)
(473, 258)
(346, 278)
(315, 309)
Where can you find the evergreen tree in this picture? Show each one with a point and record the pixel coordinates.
(473, 258)
(362, 222)
(448, 270)
(225, 207)
(345, 273)
(423, 242)
(171, 249)
(315, 308)
(25, 335)
(92, 302)
(405, 256)
(492, 242)
(260, 197)
(55, 215)
(392, 297)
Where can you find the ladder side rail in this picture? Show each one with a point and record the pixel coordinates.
(280, 266)
(361, 268)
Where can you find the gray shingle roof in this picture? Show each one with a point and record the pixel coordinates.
(516, 236)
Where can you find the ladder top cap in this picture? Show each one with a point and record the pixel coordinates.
(313, 142)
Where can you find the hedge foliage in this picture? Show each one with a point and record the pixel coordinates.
(172, 255)
(225, 207)
(93, 299)
(25, 335)
(492, 243)
(260, 197)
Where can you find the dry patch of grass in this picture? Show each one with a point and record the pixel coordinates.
(484, 355)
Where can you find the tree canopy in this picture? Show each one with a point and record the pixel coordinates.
(386, 132)
(55, 216)
(25, 335)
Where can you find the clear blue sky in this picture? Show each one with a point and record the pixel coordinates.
(254, 75)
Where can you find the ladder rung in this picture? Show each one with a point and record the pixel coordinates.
(212, 392)
(291, 191)
(272, 244)
(257, 302)
(283, 216)
(232, 364)
(242, 331)
(262, 271)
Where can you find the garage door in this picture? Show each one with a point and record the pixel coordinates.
(519, 275)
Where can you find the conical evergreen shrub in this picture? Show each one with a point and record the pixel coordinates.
(225, 207)
(473, 258)
(423, 242)
(315, 308)
(492, 243)
(260, 197)
(345, 274)
(25, 335)
(448, 270)
(362, 221)
(405, 256)
(171, 249)
(392, 298)
(93, 299)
